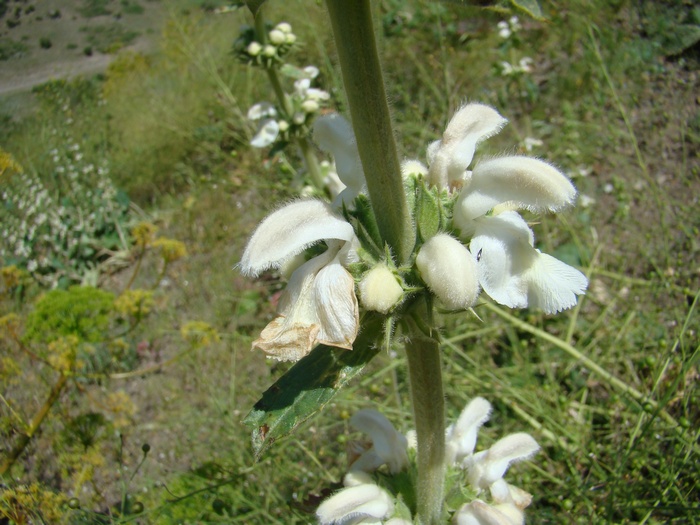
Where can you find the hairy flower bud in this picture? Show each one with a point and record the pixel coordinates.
(449, 270)
(379, 290)
(254, 49)
(277, 37)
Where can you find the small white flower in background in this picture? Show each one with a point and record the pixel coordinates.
(585, 200)
(268, 127)
(530, 142)
(509, 268)
(319, 303)
(525, 64)
(503, 29)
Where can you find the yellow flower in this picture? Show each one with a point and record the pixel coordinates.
(135, 303)
(199, 333)
(143, 233)
(170, 249)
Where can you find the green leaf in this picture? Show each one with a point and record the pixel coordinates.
(529, 7)
(308, 386)
(683, 36)
(427, 212)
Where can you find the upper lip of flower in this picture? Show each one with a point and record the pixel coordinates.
(319, 304)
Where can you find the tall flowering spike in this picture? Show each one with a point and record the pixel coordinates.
(334, 134)
(319, 304)
(365, 503)
(388, 444)
(450, 157)
(487, 467)
(449, 270)
(461, 437)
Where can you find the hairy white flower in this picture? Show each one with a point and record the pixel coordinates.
(319, 304)
(334, 134)
(449, 270)
(388, 445)
(365, 503)
(461, 437)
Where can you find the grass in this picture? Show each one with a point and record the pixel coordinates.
(608, 389)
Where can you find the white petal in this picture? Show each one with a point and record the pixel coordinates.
(502, 246)
(261, 110)
(553, 285)
(452, 156)
(479, 513)
(529, 183)
(301, 85)
(449, 270)
(462, 437)
(487, 467)
(311, 71)
(336, 306)
(289, 231)
(334, 134)
(353, 504)
(266, 135)
(387, 442)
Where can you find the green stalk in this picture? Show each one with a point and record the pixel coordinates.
(423, 353)
(364, 85)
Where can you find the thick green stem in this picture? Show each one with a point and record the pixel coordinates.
(364, 85)
(425, 374)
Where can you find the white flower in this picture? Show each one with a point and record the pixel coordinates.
(334, 134)
(480, 513)
(319, 304)
(364, 503)
(268, 128)
(388, 445)
(449, 270)
(488, 466)
(510, 270)
(461, 437)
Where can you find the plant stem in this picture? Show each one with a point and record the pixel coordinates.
(371, 121)
(425, 374)
(26, 437)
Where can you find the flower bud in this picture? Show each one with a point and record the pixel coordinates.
(284, 27)
(269, 51)
(283, 125)
(291, 38)
(310, 106)
(449, 270)
(254, 49)
(277, 37)
(379, 290)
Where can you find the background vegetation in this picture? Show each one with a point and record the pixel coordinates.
(147, 372)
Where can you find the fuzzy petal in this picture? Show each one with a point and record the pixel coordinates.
(266, 135)
(451, 156)
(336, 306)
(461, 439)
(387, 442)
(489, 466)
(289, 231)
(449, 270)
(553, 285)
(480, 513)
(502, 246)
(354, 504)
(334, 134)
(526, 182)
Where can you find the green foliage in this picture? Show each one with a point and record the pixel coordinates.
(108, 38)
(81, 311)
(93, 8)
(11, 49)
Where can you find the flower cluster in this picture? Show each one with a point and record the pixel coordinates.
(470, 237)
(523, 66)
(278, 42)
(367, 498)
(285, 124)
(508, 28)
(62, 232)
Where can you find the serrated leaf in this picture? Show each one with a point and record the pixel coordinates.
(308, 386)
(529, 7)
